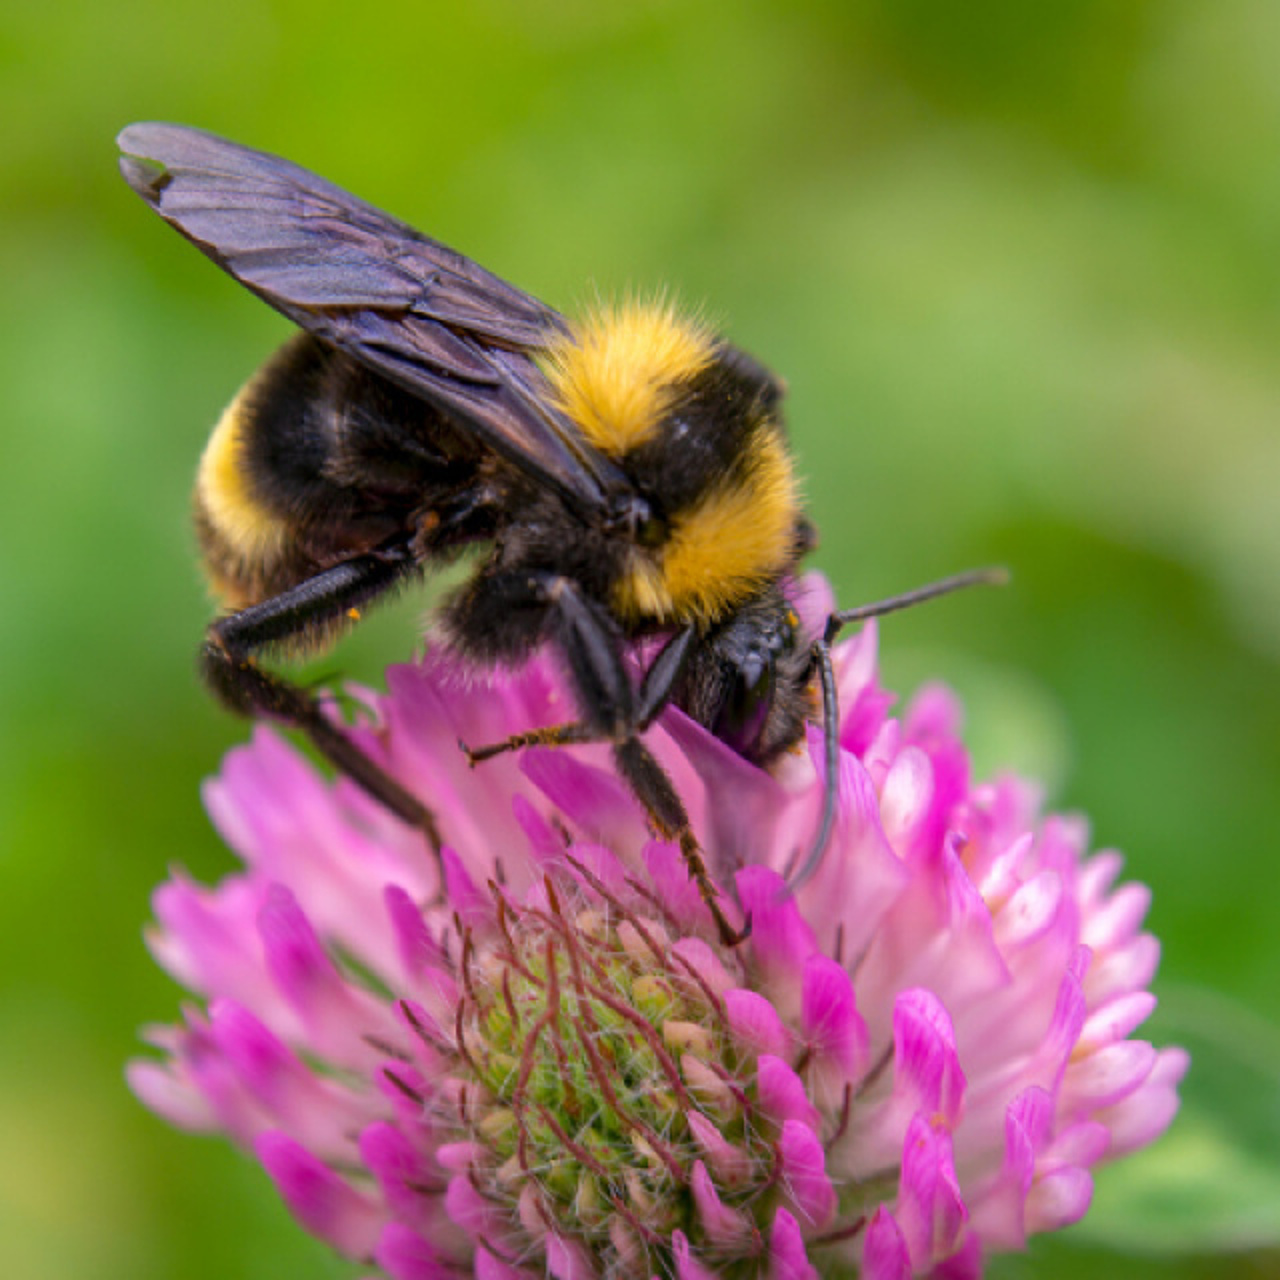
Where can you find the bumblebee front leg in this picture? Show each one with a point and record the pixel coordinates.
(230, 669)
(611, 712)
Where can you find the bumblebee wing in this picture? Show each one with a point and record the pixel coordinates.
(407, 306)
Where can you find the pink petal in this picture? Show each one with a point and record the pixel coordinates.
(926, 1069)
(1147, 1112)
(675, 888)
(326, 1206)
(787, 1257)
(1116, 1020)
(1104, 1077)
(568, 1260)
(420, 955)
(160, 1087)
(339, 1020)
(687, 1266)
(850, 893)
(782, 1095)
(489, 1268)
(781, 939)
(319, 1113)
(931, 1210)
(756, 1023)
(404, 1176)
(906, 798)
(1119, 919)
(804, 1175)
(731, 1165)
(884, 1252)
(600, 804)
(725, 1228)
(832, 1028)
(1059, 1198)
(405, 1255)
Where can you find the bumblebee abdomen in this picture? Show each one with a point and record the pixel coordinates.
(315, 460)
(249, 548)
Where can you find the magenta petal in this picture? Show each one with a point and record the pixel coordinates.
(676, 889)
(831, 1026)
(884, 1252)
(599, 803)
(965, 1264)
(490, 1268)
(206, 937)
(405, 1255)
(323, 1202)
(319, 1113)
(756, 1022)
(295, 958)
(931, 1210)
(781, 939)
(544, 841)
(927, 1068)
(687, 1266)
(782, 1095)
(472, 904)
(341, 1021)
(404, 1176)
(804, 1175)
(417, 949)
(787, 1257)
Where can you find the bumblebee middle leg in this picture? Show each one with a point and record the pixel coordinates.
(611, 711)
(229, 666)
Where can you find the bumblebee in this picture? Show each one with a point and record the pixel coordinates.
(624, 476)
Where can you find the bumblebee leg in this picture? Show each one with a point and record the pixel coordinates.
(611, 713)
(553, 735)
(231, 671)
(655, 693)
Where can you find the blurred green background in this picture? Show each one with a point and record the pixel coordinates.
(1021, 267)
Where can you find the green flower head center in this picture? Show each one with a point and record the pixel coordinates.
(591, 1043)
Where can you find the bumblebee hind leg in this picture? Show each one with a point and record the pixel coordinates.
(229, 666)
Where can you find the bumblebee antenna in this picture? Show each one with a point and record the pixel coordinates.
(830, 707)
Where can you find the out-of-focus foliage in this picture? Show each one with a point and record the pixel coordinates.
(1021, 267)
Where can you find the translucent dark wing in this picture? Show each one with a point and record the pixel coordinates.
(426, 317)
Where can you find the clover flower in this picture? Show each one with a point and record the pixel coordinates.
(533, 1056)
